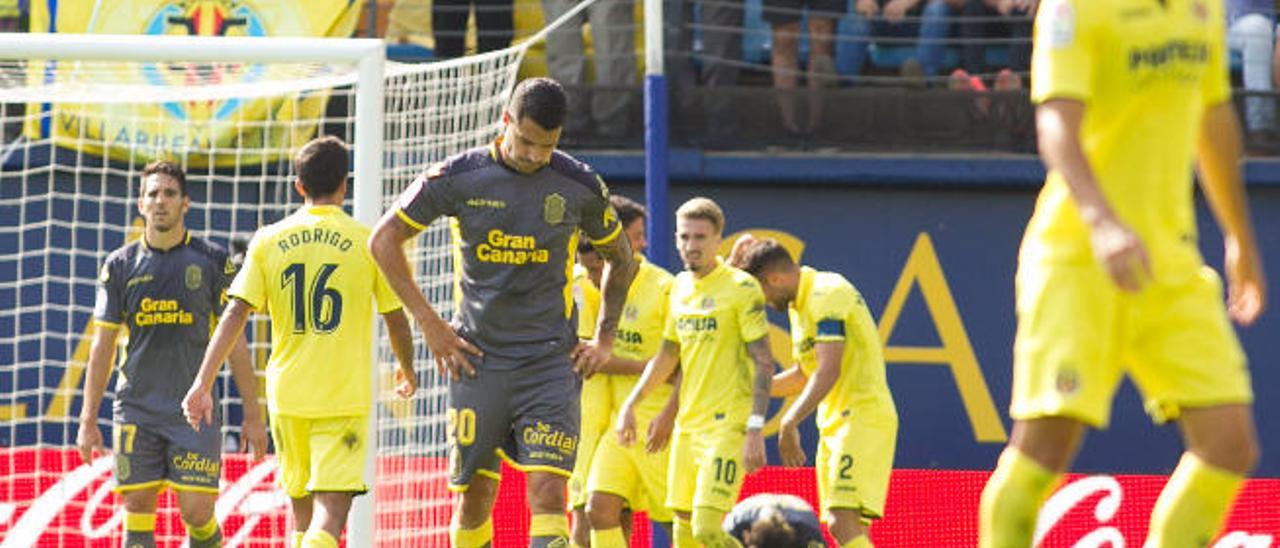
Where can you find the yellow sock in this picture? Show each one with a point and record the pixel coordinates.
(547, 529)
(682, 530)
(860, 541)
(139, 522)
(201, 532)
(471, 538)
(1193, 504)
(295, 540)
(608, 538)
(1011, 501)
(318, 538)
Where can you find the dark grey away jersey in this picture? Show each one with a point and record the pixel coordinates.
(168, 300)
(518, 235)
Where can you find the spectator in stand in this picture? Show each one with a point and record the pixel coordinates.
(720, 27)
(1249, 33)
(988, 22)
(495, 25)
(895, 22)
(784, 16)
(607, 109)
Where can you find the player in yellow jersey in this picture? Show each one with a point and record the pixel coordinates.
(1131, 94)
(716, 331)
(838, 371)
(597, 399)
(625, 479)
(314, 275)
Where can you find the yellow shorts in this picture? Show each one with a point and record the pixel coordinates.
(597, 408)
(1078, 333)
(324, 454)
(636, 475)
(853, 466)
(705, 470)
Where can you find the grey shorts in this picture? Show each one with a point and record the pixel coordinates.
(527, 415)
(167, 455)
(779, 12)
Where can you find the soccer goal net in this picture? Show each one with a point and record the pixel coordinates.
(81, 117)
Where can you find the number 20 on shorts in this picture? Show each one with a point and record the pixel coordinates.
(462, 425)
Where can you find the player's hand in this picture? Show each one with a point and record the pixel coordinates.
(789, 445)
(448, 349)
(896, 10)
(197, 406)
(590, 356)
(1246, 283)
(406, 383)
(627, 424)
(753, 451)
(660, 430)
(1120, 252)
(866, 8)
(89, 441)
(254, 433)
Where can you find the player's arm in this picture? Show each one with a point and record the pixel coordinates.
(89, 438)
(198, 403)
(1116, 246)
(817, 388)
(788, 383)
(662, 424)
(402, 346)
(1219, 148)
(619, 271)
(763, 359)
(386, 244)
(656, 372)
(252, 426)
(617, 365)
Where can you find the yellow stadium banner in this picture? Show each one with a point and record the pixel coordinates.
(203, 131)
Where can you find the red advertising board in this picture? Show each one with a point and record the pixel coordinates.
(48, 498)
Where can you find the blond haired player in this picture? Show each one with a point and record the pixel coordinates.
(1110, 280)
(313, 274)
(839, 372)
(716, 331)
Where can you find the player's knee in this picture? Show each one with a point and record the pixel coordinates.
(197, 512)
(546, 493)
(603, 513)
(140, 502)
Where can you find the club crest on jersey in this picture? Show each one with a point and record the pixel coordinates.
(194, 277)
(708, 303)
(122, 468)
(1067, 382)
(630, 312)
(1200, 12)
(553, 209)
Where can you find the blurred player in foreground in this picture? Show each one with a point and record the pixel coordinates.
(1110, 280)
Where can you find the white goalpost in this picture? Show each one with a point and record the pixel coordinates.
(82, 114)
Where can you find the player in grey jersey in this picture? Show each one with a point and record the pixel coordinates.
(519, 205)
(166, 289)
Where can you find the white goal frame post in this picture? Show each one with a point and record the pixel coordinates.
(369, 57)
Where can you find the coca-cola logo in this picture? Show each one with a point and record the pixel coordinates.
(243, 504)
(1101, 532)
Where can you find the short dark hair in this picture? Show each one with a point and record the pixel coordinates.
(166, 168)
(628, 210)
(322, 166)
(540, 99)
(764, 256)
(771, 530)
(585, 245)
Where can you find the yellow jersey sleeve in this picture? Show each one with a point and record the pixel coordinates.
(669, 324)
(1216, 82)
(830, 313)
(752, 323)
(587, 297)
(249, 284)
(1062, 60)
